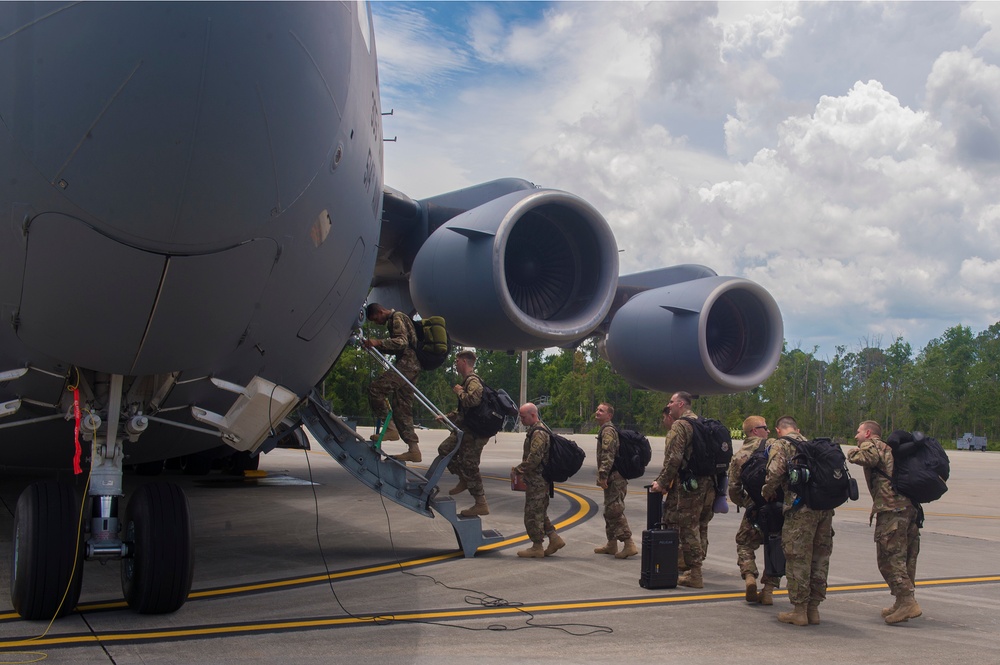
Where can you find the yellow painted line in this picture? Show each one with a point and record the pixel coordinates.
(432, 615)
(582, 508)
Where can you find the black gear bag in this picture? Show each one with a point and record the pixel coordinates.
(712, 447)
(920, 466)
(565, 459)
(487, 417)
(634, 453)
(753, 474)
(818, 473)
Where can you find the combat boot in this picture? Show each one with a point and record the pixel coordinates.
(556, 543)
(391, 433)
(533, 552)
(812, 613)
(459, 488)
(908, 609)
(610, 548)
(886, 611)
(411, 455)
(628, 549)
(691, 578)
(766, 595)
(751, 583)
(479, 508)
(797, 617)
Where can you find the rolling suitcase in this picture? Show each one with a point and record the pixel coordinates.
(659, 547)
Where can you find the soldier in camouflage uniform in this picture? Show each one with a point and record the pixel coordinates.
(897, 534)
(685, 498)
(614, 485)
(536, 496)
(749, 537)
(670, 518)
(806, 538)
(465, 463)
(401, 343)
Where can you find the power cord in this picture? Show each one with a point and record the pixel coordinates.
(475, 597)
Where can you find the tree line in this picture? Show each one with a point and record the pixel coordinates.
(952, 386)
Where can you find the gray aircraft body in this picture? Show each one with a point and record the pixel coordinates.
(194, 214)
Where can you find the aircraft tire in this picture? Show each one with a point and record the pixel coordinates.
(156, 578)
(45, 542)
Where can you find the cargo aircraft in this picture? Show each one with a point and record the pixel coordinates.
(193, 216)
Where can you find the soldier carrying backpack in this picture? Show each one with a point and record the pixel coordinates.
(390, 387)
(808, 532)
(615, 486)
(687, 495)
(762, 521)
(897, 517)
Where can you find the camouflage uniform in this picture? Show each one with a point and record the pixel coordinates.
(615, 523)
(401, 342)
(684, 508)
(897, 536)
(465, 463)
(748, 537)
(536, 496)
(807, 537)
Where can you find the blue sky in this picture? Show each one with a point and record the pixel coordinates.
(844, 155)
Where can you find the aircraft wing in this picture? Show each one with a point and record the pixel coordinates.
(512, 267)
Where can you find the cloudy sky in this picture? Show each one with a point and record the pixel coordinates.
(846, 156)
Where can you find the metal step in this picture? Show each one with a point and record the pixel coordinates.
(393, 479)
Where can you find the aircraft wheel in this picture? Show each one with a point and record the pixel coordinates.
(156, 578)
(45, 542)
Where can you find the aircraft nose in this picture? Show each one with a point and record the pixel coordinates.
(173, 124)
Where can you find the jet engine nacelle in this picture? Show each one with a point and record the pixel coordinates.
(528, 270)
(704, 336)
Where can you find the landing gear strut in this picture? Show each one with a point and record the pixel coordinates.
(153, 542)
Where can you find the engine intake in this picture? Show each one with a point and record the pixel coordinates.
(528, 270)
(705, 336)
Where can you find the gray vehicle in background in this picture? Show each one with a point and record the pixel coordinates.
(969, 442)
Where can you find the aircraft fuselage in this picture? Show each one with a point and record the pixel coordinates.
(192, 191)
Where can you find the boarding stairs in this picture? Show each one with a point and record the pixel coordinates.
(409, 487)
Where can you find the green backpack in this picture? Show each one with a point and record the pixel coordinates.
(432, 346)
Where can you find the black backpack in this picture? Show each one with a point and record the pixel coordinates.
(711, 447)
(487, 417)
(565, 458)
(433, 346)
(634, 453)
(753, 474)
(818, 473)
(920, 467)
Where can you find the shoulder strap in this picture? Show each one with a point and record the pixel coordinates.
(411, 331)
(794, 442)
(692, 423)
(879, 471)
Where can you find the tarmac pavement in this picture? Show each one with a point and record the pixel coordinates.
(289, 571)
